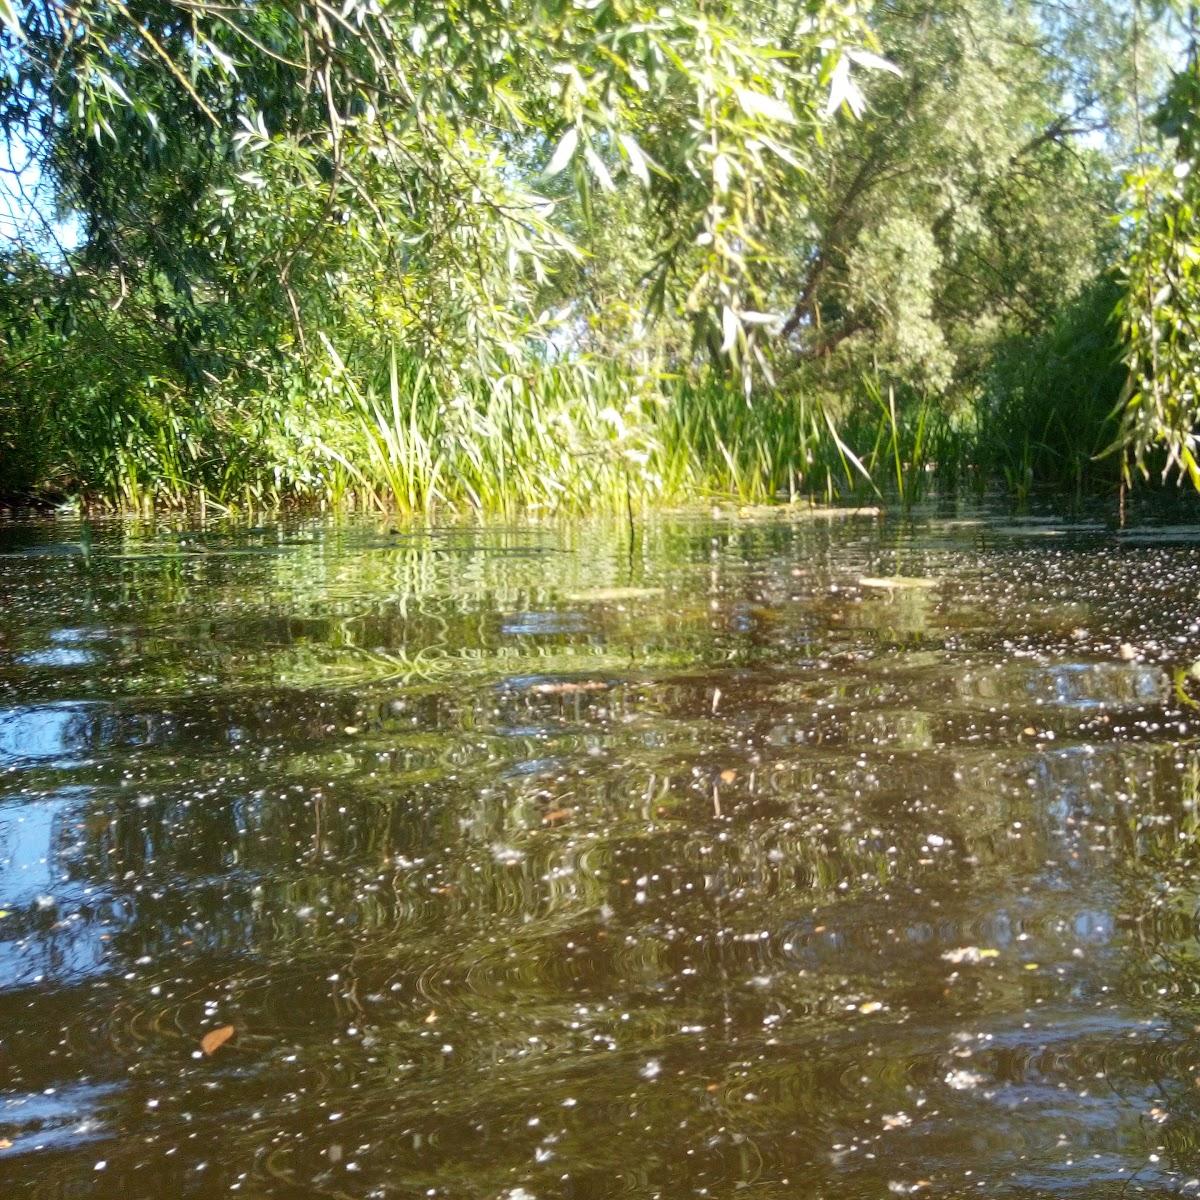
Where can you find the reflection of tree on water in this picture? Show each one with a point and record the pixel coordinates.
(491, 917)
(399, 907)
(1161, 901)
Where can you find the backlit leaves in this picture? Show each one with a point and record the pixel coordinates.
(563, 152)
(1159, 312)
(320, 154)
(755, 104)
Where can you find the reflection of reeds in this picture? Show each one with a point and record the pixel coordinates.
(433, 664)
(360, 602)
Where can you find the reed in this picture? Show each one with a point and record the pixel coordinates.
(386, 430)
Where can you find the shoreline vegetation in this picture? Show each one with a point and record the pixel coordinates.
(557, 257)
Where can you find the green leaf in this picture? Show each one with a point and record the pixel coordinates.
(639, 166)
(563, 153)
(8, 17)
(756, 104)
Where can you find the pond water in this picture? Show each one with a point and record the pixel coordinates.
(763, 854)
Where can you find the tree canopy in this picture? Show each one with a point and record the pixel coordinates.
(1161, 309)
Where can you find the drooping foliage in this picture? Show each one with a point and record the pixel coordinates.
(1161, 310)
(291, 158)
(267, 180)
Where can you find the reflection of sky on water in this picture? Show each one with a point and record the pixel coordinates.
(56, 1118)
(47, 731)
(1075, 685)
(29, 835)
(70, 646)
(54, 920)
(532, 624)
(72, 634)
(58, 656)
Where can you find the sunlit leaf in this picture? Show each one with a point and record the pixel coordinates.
(564, 152)
(843, 90)
(864, 58)
(729, 329)
(720, 171)
(756, 104)
(638, 163)
(598, 169)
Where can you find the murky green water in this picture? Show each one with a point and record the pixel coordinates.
(517, 862)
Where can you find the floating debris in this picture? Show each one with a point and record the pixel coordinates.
(214, 1039)
(970, 954)
(894, 583)
(604, 594)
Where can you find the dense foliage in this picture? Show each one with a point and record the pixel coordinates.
(554, 253)
(1161, 311)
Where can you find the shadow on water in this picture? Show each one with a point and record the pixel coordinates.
(779, 856)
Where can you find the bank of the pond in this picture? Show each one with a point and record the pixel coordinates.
(518, 457)
(578, 436)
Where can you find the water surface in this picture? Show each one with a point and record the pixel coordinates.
(765, 855)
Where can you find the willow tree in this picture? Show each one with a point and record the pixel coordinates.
(968, 204)
(1161, 310)
(232, 163)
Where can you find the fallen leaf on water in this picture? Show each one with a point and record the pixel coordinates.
(214, 1039)
(728, 776)
(558, 814)
(871, 1006)
(969, 954)
(614, 593)
(1029, 731)
(568, 689)
(890, 583)
(429, 1020)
